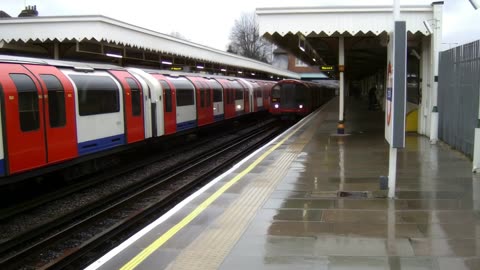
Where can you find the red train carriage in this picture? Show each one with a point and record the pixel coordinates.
(56, 112)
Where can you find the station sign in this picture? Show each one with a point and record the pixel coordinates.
(176, 68)
(395, 101)
(327, 68)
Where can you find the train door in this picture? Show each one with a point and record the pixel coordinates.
(248, 98)
(153, 106)
(209, 103)
(204, 101)
(147, 106)
(257, 97)
(218, 99)
(240, 96)
(59, 107)
(207, 110)
(267, 89)
(230, 101)
(169, 108)
(248, 88)
(169, 101)
(23, 119)
(133, 104)
(185, 97)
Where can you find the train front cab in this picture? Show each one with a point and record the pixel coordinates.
(38, 117)
(290, 97)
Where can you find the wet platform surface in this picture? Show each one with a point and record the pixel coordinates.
(287, 212)
(432, 224)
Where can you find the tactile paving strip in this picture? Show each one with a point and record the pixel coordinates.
(210, 248)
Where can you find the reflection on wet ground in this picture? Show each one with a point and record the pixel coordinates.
(433, 223)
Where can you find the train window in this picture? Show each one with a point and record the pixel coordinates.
(136, 97)
(184, 91)
(185, 97)
(237, 87)
(209, 98)
(217, 95)
(96, 94)
(232, 96)
(56, 100)
(168, 95)
(202, 98)
(238, 94)
(229, 96)
(27, 102)
(300, 93)
(217, 91)
(226, 98)
(276, 91)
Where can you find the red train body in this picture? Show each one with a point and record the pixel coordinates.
(55, 111)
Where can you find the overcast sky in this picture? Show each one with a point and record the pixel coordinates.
(209, 22)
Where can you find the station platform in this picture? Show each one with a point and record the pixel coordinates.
(311, 200)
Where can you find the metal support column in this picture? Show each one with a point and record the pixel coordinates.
(341, 65)
(56, 50)
(396, 93)
(435, 45)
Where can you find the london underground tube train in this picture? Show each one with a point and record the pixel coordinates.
(53, 111)
(292, 98)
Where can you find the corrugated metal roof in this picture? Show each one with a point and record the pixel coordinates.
(102, 28)
(335, 20)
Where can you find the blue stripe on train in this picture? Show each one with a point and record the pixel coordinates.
(186, 125)
(218, 117)
(100, 144)
(2, 167)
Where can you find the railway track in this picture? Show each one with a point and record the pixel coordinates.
(69, 241)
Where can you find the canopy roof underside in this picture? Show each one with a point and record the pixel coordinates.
(97, 28)
(345, 20)
(312, 33)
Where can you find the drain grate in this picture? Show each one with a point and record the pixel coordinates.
(324, 194)
(352, 194)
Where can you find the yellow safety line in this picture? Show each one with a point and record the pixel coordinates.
(185, 221)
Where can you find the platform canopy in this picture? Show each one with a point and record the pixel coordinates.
(311, 33)
(95, 36)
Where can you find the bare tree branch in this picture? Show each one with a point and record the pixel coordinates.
(246, 41)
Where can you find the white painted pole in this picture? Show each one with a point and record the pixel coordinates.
(476, 142)
(435, 45)
(392, 172)
(391, 228)
(392, 161)
(476, 151)
(396, 10)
